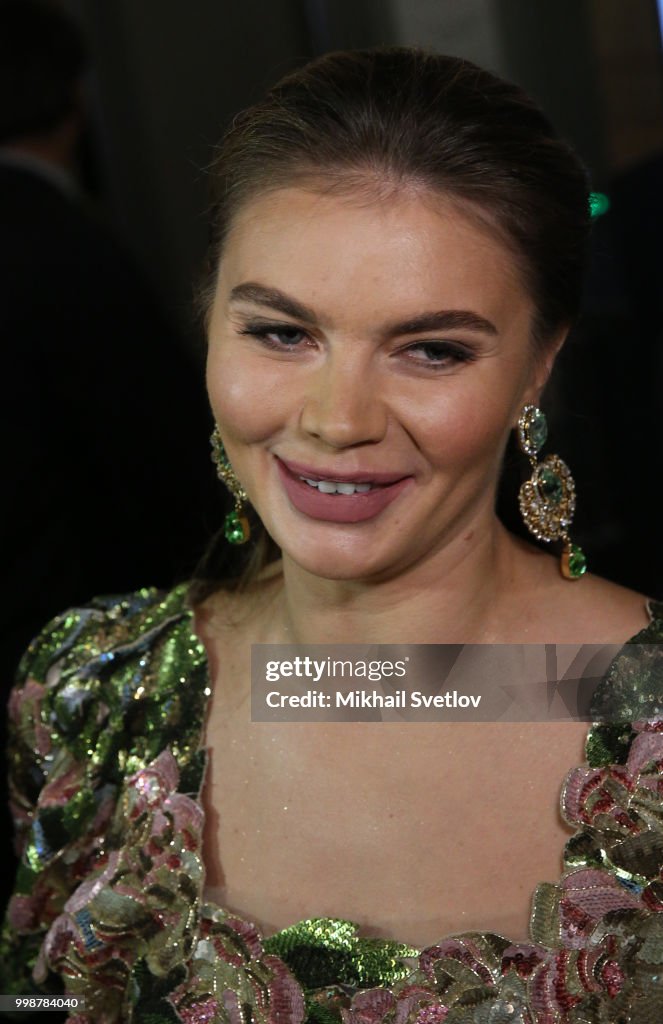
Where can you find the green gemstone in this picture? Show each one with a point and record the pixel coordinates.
(550, 486)
(599, 203)
(577, 561)
(233, 529)
(536, 430)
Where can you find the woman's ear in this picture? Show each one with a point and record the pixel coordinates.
(543, 365)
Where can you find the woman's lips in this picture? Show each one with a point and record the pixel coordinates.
(339, 508)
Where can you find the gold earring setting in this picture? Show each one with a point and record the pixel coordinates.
(236, 524)
(548, 499)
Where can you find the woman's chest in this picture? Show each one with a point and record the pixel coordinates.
(412, 830)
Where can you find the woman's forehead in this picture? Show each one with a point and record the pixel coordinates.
(410, 249)
(296, 208)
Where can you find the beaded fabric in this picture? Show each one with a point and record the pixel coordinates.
(106, 771)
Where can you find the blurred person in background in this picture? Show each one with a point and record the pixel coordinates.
(104, 428)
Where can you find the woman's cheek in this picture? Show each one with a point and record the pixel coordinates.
(463, 427)
(246, 402)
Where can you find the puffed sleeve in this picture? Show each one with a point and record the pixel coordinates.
(99, 696)
(64, 721)
(49, 803)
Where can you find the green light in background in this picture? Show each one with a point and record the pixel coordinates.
(598, 204)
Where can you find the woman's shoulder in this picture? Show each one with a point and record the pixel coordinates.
(227, 610)
(98, 628)
(120, 676)
(631, 690)
(590, 609)
(610, 612)
(107, 711)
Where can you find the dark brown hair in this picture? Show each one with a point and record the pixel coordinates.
(376, 120)
(395, 116)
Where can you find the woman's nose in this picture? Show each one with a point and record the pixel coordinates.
(343, 406)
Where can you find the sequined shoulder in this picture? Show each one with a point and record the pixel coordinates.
(101, 692)
(111, 667)
(655, 610)
(630, 691)
(85, 631)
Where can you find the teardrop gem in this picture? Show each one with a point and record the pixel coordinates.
(574, 562)
(236, 528)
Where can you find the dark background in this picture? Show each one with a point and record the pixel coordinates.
(165, 80)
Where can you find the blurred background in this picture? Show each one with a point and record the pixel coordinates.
(103, 229)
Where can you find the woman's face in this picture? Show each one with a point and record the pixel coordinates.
(380, 352)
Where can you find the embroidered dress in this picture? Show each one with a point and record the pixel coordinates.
(106, 774)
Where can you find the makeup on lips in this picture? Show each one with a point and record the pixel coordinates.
(339, 497)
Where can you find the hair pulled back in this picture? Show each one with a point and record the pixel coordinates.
(390, 117)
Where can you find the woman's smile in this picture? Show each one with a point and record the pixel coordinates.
(340, 498)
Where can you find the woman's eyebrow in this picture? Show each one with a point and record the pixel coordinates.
(446, 319)
(250, 291)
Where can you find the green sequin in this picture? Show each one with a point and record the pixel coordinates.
(324, 951)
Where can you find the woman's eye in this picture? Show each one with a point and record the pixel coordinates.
(278, 336)
(438, 353)
(431, 354)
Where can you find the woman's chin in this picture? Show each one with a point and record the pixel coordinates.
(341, 565)
(328, 567)
(373, 550)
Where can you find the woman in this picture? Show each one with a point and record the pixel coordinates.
(397, 260)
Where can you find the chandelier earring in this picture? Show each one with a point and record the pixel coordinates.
(548, 499)
(236, 524)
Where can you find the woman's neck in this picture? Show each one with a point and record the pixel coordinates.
(463, 593)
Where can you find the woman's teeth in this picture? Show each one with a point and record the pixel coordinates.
(334, 487)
